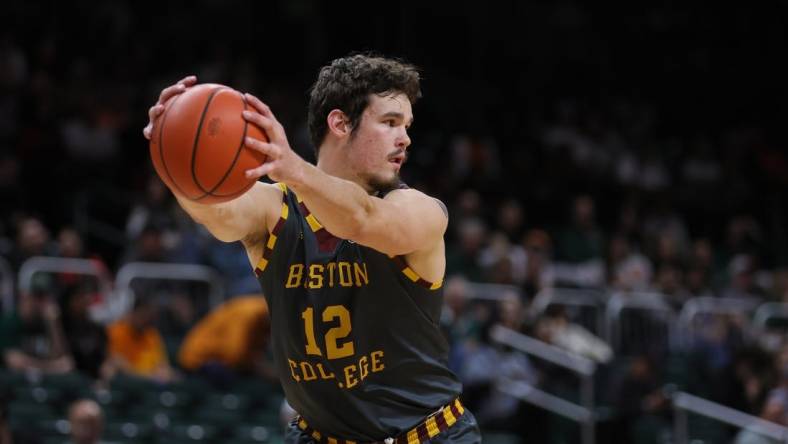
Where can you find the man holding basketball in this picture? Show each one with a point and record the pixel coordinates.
(351, 262)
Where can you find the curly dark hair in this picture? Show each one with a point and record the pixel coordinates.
(346, 84)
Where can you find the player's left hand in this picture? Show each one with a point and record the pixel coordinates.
(166, 94)
(283, 164)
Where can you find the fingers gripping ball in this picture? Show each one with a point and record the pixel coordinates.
(197, 144)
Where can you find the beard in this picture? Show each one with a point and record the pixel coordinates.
(382, 185)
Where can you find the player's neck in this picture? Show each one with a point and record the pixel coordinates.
(333, 164)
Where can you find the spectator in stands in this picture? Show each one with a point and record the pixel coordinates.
(742, 284)
(230, 259)
(511, 219)
(31, 339)
(640, 399)
(487, 364)
(467, 205)
(582, 240)
(669, 249)
(744, 236)
(698, 282)
(149, 247)
(717, 338)
(155, 208)
(474, 158)
(503, 263)
(780, 288)
(627, 270)
(702, 255)
(181, 239)
(775, 407)
(701, 170)
(178, 314)
(137, 347)
(665, 233)
(86, 422)
(538, 263)
(463, 320)
(463, 256)
(87, 340)
(511, 311)
(230, 341)
(628, 223)
(32, 239)
(669, 281)
(743, 384)
(556, 328)
(69, 243)
(457, 315)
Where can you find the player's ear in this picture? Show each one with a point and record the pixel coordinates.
(339, 123)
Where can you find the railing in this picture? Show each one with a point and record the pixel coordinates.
(123, 298)
(85, 267)
(583, 413)
(684, 403)
(584, 306)
(694, 309)
(653, 322)
(768, 312)
(42, 264)
(491, 292)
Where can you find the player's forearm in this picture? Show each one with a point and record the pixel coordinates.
(340, 205)
(215, 217)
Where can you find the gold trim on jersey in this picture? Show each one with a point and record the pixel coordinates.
(436, 423)
(413, 276)
(274, 234)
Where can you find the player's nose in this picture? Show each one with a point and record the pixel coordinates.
(403, 140)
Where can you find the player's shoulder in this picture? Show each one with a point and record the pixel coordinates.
(413, 195)
(270, 191)
(262, 204)
(275, 188)
(409, 194)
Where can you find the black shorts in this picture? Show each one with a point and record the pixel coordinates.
(464, 431)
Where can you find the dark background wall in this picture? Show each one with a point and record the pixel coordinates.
(654, 80)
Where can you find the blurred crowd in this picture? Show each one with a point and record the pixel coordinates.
(619, 191)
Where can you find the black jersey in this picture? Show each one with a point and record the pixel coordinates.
(354, 332)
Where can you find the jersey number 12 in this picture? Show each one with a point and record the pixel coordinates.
(333, 335)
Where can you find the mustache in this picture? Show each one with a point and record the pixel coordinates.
(402, 153)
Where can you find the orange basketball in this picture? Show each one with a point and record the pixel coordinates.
(197, 145)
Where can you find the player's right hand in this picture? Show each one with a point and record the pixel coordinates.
(167, 93)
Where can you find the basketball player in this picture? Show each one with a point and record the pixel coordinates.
(351, 262)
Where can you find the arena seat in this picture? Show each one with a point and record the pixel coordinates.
(70, 383)
(218, 417)
(10, 379)
(22, 414)
(501, 438)
(38, 395)
(128, 431)
(193, 432)
(251, 433)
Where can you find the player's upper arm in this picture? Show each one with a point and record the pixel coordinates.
(244, 218)
(403, 222)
